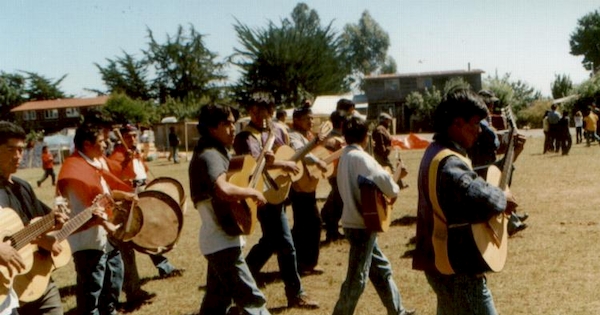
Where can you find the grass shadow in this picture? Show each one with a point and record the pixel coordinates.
(406, 220)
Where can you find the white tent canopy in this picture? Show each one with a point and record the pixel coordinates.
(324, 105)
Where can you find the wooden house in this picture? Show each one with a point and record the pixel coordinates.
(387, 93)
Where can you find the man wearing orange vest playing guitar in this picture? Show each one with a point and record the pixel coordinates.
(18, 195)
(453, 199)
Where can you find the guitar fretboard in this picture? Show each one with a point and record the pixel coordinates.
(23, 237)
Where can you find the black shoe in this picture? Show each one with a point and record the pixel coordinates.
(517, 229)
(303, 301)
(522, 217)
(39, 184)
(177, 272)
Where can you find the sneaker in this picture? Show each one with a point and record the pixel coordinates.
(303, 301)
(38, 184)
(409, 312)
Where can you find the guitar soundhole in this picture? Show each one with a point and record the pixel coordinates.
(9, 238)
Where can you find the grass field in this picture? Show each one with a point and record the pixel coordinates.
(550, 269)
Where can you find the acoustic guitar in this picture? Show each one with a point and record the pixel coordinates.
(20, 237)
(239, 217)
(31, 285)
(313, 173)
(491, 237)
(375, 206)
(279, 181)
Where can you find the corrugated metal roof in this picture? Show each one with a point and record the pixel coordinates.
(61, 103)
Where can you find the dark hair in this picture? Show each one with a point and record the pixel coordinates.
(97, 117)
(337, 119)
(211, 116)
(345, 105)
(460, 103)
(86, 132)
(281, 113)
(10, 130)
(261, 102)
(301, 112)
(44, 147)
(355, 130)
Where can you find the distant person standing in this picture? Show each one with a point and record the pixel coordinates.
(578, 119)
(590, 124)
(48, 166)
(553, 118)
(564, 135)
(174, 144)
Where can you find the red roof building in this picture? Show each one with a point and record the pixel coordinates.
(55, 115)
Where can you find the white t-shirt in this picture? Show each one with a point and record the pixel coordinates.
(354, 162)
(212, 236)
(10, 303)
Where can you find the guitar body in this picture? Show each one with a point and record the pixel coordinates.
(241, 216)
(315, 172)
(491, 237)
(10, 223)
(286, 153)
(282, 179)
(375, 206)
(32, 285)
(308, 182)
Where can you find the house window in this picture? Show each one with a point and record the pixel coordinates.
(51, 114)
(72, 112)
(29, 115)
(392, 85)
(425, 83)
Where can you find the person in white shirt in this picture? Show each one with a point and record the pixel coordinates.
(365, 257)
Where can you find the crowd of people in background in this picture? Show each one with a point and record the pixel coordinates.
(557, 129)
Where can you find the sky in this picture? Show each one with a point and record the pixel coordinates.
(528, 39)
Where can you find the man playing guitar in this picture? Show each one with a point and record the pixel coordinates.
(365, 259)
(18, 195)
(452, 198)
(276, 237)
(229, 278)
(307, 221)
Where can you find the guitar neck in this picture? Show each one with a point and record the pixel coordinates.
(510, 152)
(261, 161)
(23, 237)
(74, 223)
(333, 156)
(305, 150)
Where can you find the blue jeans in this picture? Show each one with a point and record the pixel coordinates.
(367, 260)
(461, 294)
(99, 281)
(276, 238)
(228, 278)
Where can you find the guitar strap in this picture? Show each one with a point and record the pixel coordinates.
(439, 238)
